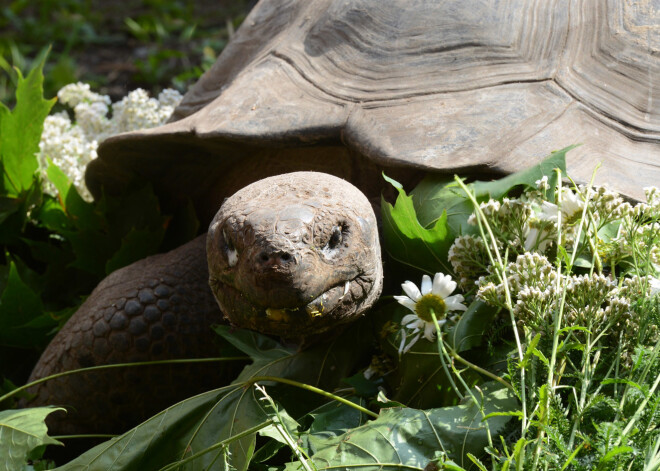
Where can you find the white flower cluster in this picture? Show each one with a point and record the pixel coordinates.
(591, 301)
(531, 273)
(606, 275)
(71, 145)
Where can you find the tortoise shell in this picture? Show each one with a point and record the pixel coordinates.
(441, 86)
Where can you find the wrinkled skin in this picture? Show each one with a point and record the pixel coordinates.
(295, 255)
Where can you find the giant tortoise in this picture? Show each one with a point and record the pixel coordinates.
(348, 88)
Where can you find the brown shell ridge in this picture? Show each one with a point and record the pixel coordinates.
(370, 61)
(263, 28)
(610, 63)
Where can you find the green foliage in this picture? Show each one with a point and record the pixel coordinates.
(22, 318)
(411, 438)
(21, 431)
(420, 228)
(54, 250)
(580, 386)
(20, 131)
(224, 415)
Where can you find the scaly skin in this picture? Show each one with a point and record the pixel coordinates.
(156, 309)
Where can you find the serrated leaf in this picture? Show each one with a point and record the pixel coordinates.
(21, 431)
(408, 242)
(529, 351)
(421, 227)
(436, 194)
(410, 438)
(20, 132)
(198, 423)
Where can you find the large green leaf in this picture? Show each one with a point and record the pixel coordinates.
(404, 438)
(331, 420)
(20, 132)
(21, 431)
(421, 227)
(226, 414)
(436, 194)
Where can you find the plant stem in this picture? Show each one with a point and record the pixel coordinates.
(499, 266)
(118, 365)
(442, 357)
(284, 433)
(220, 444)
(479, 369)
(557, 318)
(641, 407)
(313, 389)
(91, 435)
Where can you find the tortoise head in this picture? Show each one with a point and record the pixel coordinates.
(295, 255)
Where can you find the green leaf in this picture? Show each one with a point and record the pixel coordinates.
(614, 452)
(23, 322)
(331, 420)
(20, 132)
(411, 438)
(470, 328)
(21, 431)
(421, 227)
(79, 212)
(436, 194)
(225, 414)
(477, 462)
(283, 426)
(411, 244)
(529, 351)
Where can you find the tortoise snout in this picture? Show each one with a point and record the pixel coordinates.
(274, 259)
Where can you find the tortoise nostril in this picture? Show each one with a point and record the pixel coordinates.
(275, 258)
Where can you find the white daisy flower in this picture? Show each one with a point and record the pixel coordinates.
(571, 209)
(433, 297)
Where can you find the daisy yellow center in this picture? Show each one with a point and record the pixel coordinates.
(430, 302)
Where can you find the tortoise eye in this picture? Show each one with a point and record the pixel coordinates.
(230, 252)
(335, 237)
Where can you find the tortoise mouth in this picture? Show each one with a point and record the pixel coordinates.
(323, 304)
(334, 306)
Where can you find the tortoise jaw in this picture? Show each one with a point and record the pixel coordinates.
(325, 303)
(332, 307)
